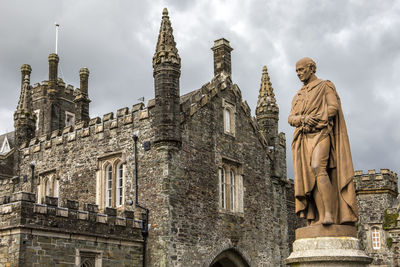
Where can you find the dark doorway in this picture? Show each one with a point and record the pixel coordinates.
(229, 258)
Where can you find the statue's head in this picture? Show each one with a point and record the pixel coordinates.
(305, 69)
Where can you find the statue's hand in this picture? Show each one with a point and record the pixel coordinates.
(311, 120)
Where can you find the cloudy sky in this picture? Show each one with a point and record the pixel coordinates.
(356, 44)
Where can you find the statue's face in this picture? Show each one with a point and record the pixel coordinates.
(304, 71)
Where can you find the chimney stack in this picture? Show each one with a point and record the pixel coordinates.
(53, 71)
(84, 78)
(222, 56)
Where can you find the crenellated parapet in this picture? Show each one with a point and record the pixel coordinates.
(373, 182)
(94, 127)
(66, 91)
(19, 210)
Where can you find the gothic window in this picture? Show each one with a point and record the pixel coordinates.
(229, 117)
(69, 118)
(376, 238)
(230, 189)
(110, 183)
(5, 147)
(48, 186)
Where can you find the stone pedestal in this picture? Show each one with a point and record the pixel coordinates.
(330, 249)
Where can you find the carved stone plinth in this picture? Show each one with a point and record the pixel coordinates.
(327, 251)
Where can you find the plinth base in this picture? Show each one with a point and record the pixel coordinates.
(327, 251)
(320, 230)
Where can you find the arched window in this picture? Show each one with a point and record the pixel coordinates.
(376, 238)
(120, 184)
(109, 186)
(110, 183)
(222, 183)
(229, 111)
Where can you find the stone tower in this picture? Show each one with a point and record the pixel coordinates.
(267, 114)
(82, 97)
(267, 111)
(24, 119)
(166, 65)
(53, 101)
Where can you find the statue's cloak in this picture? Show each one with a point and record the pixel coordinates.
(311, 100)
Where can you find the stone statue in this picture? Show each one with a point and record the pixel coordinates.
(323, 168)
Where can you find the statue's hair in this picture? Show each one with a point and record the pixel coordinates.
(309, 62)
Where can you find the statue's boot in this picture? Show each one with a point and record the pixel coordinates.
(326, 190)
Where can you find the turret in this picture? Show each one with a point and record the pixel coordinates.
(82, 98)
(222, 57)
(24, 120)
(166, 73)
(267, 114)
(53, 72)
(267, 111)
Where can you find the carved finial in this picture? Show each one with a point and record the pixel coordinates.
(165, 12)
(266, 97)
(265, 70)
(166, 50)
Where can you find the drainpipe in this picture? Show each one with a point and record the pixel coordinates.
(145, 216)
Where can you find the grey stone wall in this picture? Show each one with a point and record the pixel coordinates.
(199, 229)
(48, 235)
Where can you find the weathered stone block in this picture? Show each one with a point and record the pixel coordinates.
(91, 207)
(51, 201)
(23, 196)
(137, 107)
(72, 204)
(108, 116)
(122, 112)
(110, 211)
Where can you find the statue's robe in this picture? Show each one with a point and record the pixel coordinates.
(312, 100)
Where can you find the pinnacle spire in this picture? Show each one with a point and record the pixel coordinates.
(266, 97)
(166, 50)
(23, 104)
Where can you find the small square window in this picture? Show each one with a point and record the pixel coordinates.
(69, 119)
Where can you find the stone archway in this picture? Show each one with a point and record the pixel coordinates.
(229, 258)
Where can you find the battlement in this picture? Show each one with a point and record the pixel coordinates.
(20, 210)
(190, 104)
(80, 130)
(66, 91)
(376, 182)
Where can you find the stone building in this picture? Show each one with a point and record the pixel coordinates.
(378, 226)
(191, 180)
